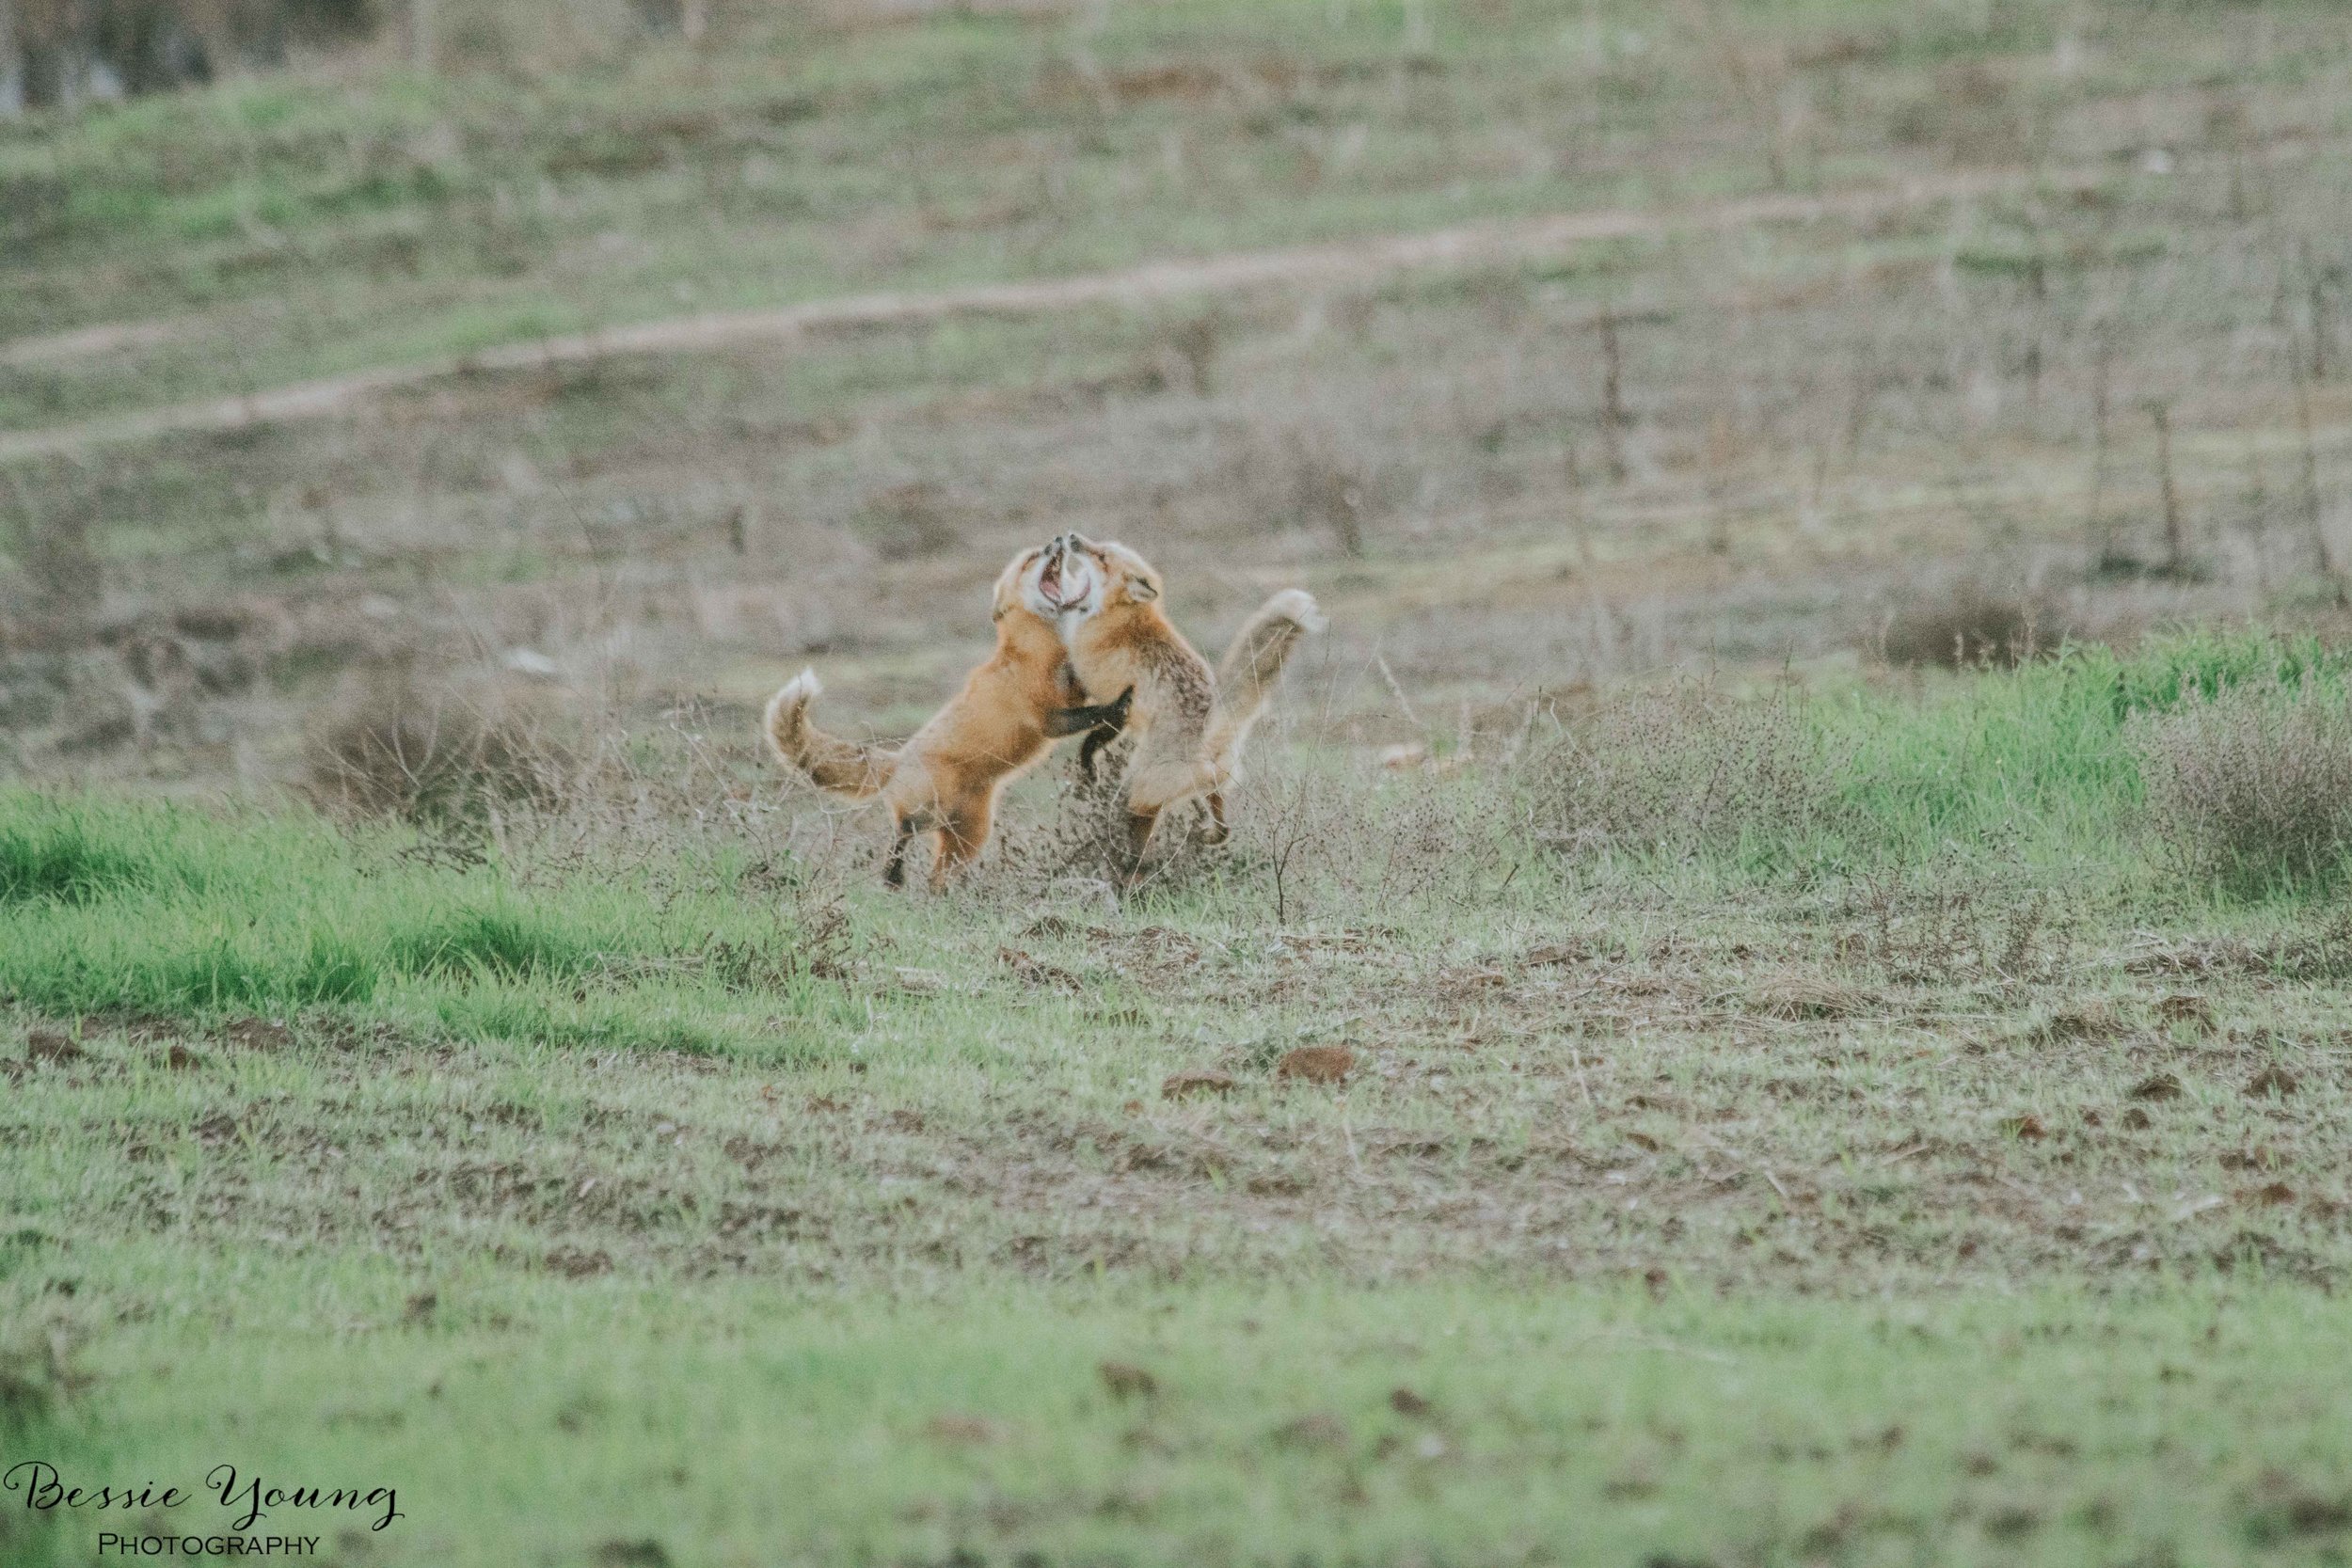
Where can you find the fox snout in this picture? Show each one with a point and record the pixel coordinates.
(1064, 580)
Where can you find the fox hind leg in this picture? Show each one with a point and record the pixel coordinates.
(895, 868)
(1139, 826)
(962, 837)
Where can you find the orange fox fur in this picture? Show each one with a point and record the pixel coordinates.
(1189, 724)
(945, 777)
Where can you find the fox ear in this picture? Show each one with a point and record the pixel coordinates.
(1142, 589)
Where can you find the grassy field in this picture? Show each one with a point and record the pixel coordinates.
(1695, 443)
(290, 226)
(1890, 1156)
(1779, 992)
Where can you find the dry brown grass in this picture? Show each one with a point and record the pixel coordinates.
(437, 756)
(2252, 789)
(1967, 624)
(1678, 771)
(1684, 449)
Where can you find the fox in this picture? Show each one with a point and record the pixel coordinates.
(945, 777)
(1190, 722)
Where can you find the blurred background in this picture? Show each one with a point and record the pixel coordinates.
(389, 386)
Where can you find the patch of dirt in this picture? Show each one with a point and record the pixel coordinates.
(51, 1048)
(1128, 1381)
(573, 1264)
(1316, 1063)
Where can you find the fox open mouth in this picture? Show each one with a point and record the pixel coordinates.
(1063, 581)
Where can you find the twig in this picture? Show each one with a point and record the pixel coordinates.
(1577, 1055)
(1381, 661)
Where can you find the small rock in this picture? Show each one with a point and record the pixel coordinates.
(1406, 1402)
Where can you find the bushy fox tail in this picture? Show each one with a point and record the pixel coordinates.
(1251, 665)
(831, 763)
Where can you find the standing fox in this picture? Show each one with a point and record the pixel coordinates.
(947, 777)
(1190, 725)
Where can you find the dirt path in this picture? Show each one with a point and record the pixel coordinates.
(88, 342)
(1470, 245)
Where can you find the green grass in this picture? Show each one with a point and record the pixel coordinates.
(122, 909)
(1868, 1146)
(1584, 1425)
(131, 909)
(2042, 768)
(1957, 1203)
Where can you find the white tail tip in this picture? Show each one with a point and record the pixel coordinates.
(792, 696)
(1299, 606)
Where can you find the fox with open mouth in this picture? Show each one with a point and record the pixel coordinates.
(1190, 724)
(947, 777)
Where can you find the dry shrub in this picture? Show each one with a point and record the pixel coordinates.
(1681, 773)
(438, 756)
(1075, 845)
(2251, 790)
(1313, 838)
(1966, 627)
(1943, 923)
(1308, 839)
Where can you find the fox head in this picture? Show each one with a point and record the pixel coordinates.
(1075, 578)
(1014, 586)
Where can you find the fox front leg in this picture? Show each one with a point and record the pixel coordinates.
(1100, 725)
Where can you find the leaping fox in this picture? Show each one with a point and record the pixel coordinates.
(1190, 726)
(945, 777)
